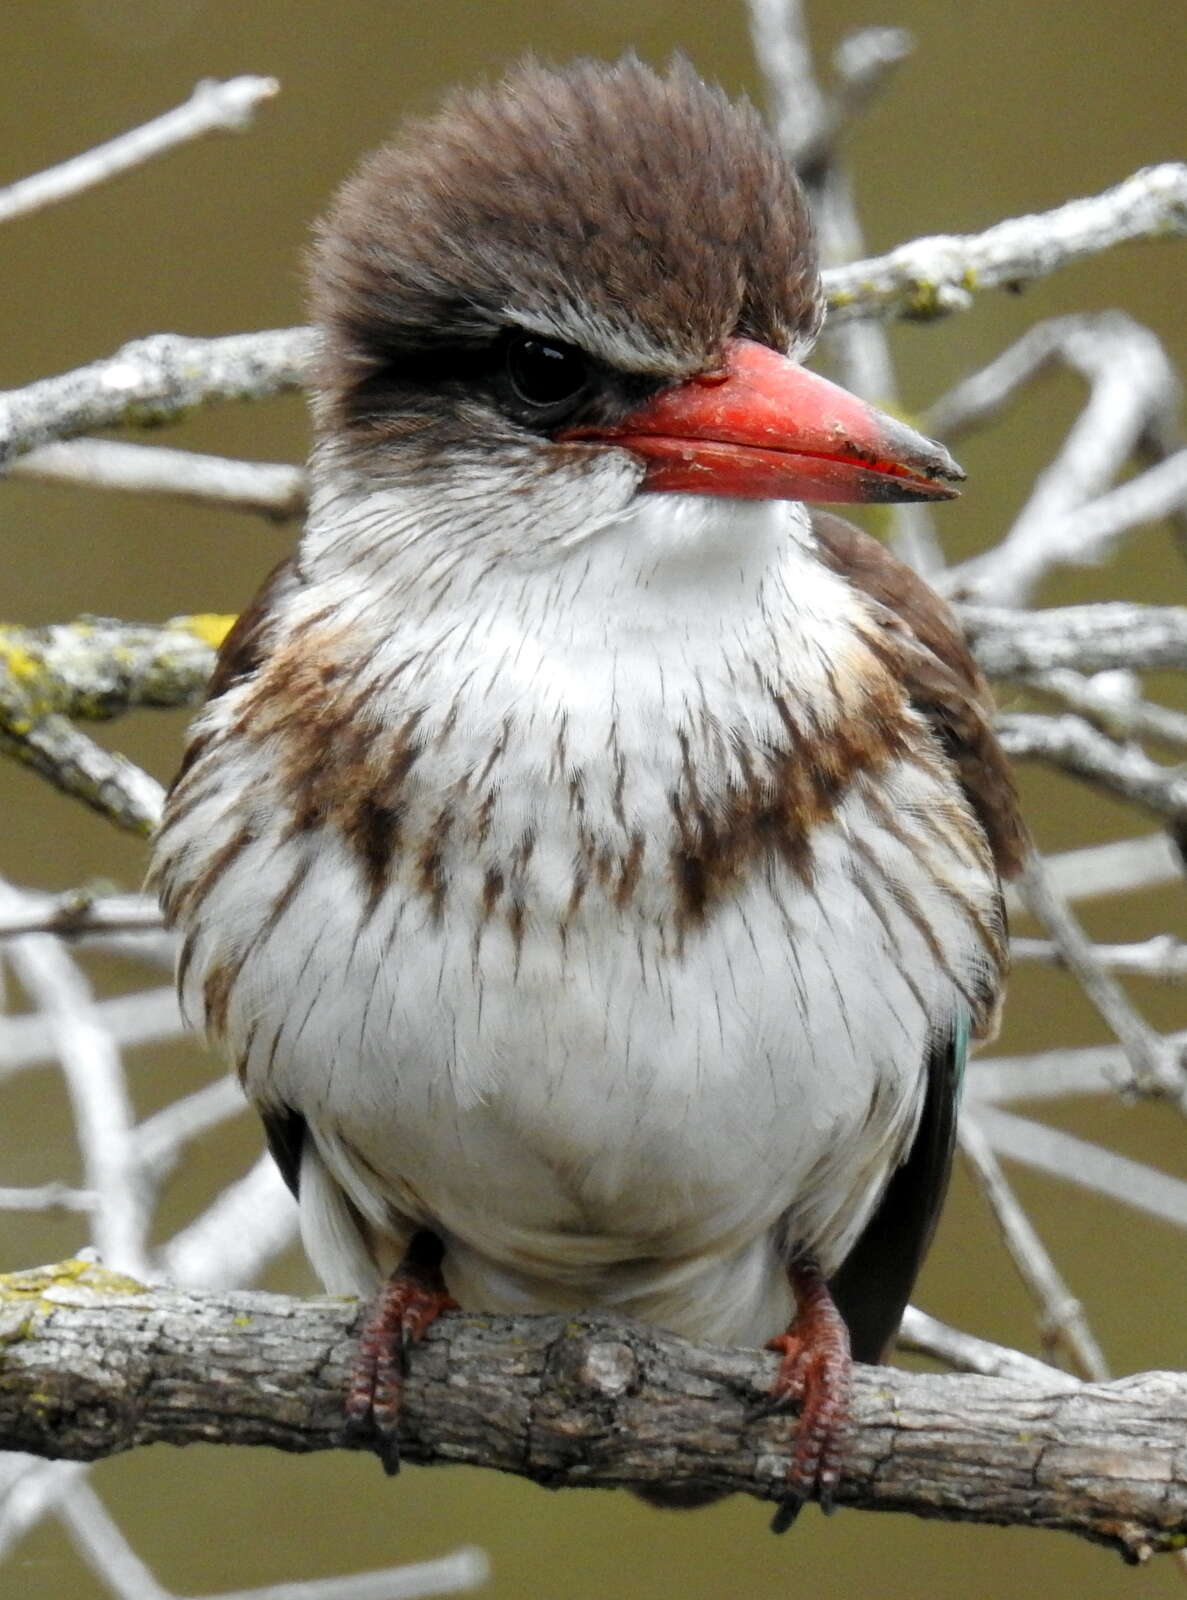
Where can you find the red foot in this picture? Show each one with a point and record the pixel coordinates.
(815, 1373)
(402, 1311)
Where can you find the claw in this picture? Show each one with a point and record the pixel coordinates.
(815, 1373)
(400, 1314)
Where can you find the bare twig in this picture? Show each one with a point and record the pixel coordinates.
(930, 277)
(964, 1352)
(232, 1242)
(1156, 1068)
(1077, 535)
(809, 123)
(130, 1019)
(161, 1138)
(29, 1488)
(1113, 635)
(156, 379)
(270, 489)
(1062, 1322)
(1122, 867)
(98, 1092)
(1133, 407)
(1089, 343)
(150, 381)
(47, 1197)
(98, 1540)
(107, 782)
(1075, 746)
(1113, 703)
(80, 914)
(103, 1546)
(1163, 956)
(212, 108)
(1054, 1074)
(98, 668)
(1104, 1172)
(798, 110)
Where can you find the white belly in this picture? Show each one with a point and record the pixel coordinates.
(611, 1120)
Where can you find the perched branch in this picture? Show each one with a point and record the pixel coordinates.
(270, 489)
(930, 277)
(212, 108)
(95, 1364)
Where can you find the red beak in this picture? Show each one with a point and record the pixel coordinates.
(764, 428)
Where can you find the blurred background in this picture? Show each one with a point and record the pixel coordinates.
(1003, 109)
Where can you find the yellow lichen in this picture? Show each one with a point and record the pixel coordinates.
(22, 664)
(209, 626)
(36, 1283)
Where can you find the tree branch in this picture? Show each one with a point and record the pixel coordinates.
(931, 277)
(1110, 635)
(266, 488)
(153, 380)
(95, 1364)
(213, 107)
(1074, 746)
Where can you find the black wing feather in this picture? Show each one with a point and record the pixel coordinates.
(874, 1283)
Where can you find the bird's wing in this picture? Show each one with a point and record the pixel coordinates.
(873, 1284)
(246, 645)
(241, 653)
(928, 654)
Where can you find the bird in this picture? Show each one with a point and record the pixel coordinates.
(590, 852)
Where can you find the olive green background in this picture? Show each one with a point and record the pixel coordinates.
(1005, 108)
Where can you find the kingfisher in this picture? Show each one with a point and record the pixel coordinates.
(590, 852)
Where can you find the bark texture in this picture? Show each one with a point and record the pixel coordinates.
(92, 1363)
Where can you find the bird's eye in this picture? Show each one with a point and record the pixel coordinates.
(545, 375)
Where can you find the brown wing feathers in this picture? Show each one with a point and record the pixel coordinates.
(927, 652)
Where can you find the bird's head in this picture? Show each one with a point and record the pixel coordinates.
(566, 293)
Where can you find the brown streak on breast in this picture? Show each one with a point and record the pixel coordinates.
(781, 796)
(629, 872)
(185, 903)
(216, 994)
(492, 889)
(341, 769)
(430, 862)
